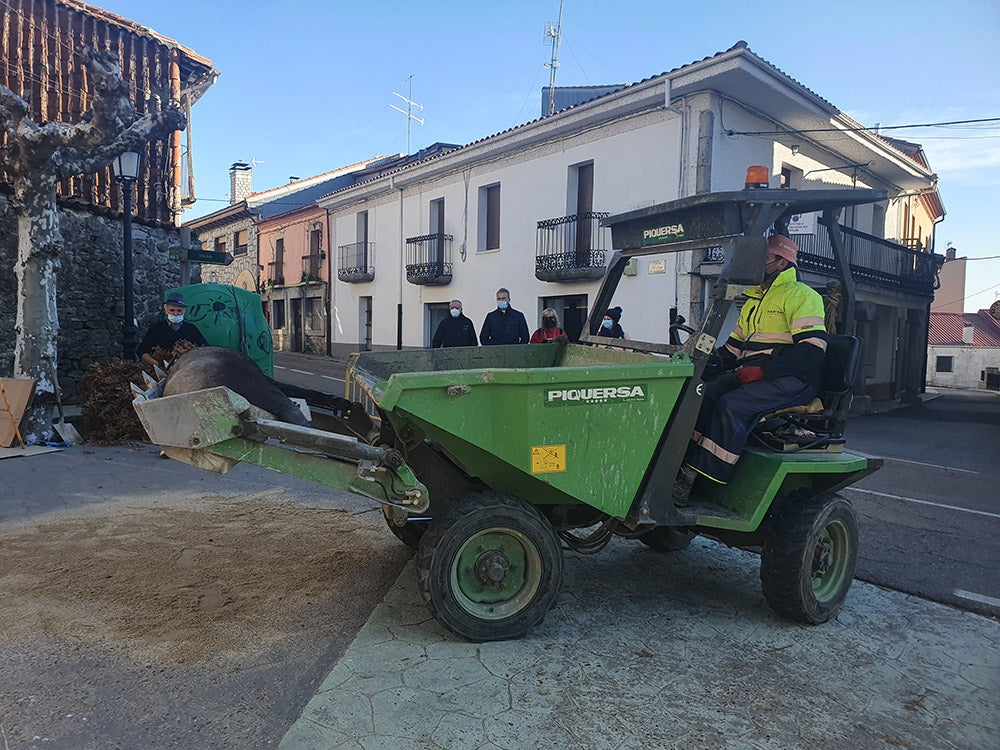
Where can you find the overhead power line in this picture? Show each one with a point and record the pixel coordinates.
(861, 128)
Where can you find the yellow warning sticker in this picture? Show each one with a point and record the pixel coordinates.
(546, 459)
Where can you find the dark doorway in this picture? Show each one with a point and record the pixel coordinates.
(572, 310)
(296, 323)
(434, 313)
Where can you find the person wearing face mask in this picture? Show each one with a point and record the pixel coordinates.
(505, 325)
(455, 330)
(165, 333)
(611, 325)
(550, 330)
(773, 360)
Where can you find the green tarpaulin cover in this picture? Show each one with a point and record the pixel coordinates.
(231, 317)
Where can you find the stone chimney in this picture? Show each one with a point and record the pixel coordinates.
(240, 182)
(949, 254)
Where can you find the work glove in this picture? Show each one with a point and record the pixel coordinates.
(749, 374)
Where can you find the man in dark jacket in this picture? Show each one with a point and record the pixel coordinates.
(505, 325)
(455, 330)
(165, 333)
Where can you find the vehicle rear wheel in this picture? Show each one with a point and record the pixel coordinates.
(667, 538)
(491, 568)
(409, 533)
(809, 555)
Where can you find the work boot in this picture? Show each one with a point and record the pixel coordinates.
(682, 485)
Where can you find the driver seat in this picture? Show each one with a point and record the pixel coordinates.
(820, 424)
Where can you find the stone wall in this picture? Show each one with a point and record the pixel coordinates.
(89, 295)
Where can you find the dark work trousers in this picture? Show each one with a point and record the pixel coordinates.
(730, 411)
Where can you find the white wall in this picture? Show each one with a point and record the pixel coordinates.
(968, 363)
(643, 154)
(635, 164)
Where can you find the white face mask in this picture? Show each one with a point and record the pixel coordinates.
(455, 312)
(175, 319)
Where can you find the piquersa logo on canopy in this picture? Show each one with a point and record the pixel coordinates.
(659, 235)
(601, 394)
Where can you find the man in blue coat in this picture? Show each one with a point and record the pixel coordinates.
(505, 325)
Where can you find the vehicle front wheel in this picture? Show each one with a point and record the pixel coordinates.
(809, 555)
(491, 568)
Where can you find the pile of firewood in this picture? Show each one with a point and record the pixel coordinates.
(108, 416)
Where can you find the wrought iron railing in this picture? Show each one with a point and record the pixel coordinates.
(275, 273)
(311, 265)
(428, 259)
(570, 248)
(873, 260)
(356, 262)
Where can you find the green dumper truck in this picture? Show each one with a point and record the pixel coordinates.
(491, 461)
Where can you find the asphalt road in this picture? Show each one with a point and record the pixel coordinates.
(930, 517)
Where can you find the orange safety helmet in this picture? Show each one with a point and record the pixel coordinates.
(783, 247)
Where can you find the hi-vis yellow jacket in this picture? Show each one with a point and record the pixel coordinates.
(780, 329)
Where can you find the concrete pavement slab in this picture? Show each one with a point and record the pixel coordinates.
(649, 650)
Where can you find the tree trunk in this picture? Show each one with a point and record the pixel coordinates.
(37, 157)
(39, 243)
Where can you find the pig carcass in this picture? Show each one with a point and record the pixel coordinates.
(212, 366)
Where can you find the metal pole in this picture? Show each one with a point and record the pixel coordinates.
(129, 329)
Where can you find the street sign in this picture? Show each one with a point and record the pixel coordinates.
(209, 256)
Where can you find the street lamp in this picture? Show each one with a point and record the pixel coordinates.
(126, 168)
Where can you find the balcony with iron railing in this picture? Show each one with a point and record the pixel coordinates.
(571, 248)
(874, 261)
(356, 262)
(276, 273)
(312, 266)
(428, 259)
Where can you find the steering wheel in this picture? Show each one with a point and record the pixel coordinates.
(679, 324)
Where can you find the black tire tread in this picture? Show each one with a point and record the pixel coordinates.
(479, 502)
(787, 533)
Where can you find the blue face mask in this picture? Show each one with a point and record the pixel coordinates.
(455, 312)
(607, 323)
(175, 319)
(502, 305)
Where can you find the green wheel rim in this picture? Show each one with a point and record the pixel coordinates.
(830, 558)
(496, 573)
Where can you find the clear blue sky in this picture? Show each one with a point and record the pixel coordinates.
(305, 86)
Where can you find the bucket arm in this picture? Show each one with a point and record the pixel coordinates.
(216, 428)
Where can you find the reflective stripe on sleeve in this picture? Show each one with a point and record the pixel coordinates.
(771, 337)
(818, 342)
(800, 324)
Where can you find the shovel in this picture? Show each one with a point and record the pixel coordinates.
(63, 429)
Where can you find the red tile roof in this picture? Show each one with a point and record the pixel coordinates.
(946, 329)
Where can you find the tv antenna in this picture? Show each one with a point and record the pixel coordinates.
(254, 161)
(553, 35)
(410, 104)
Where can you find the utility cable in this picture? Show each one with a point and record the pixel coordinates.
(862, 128)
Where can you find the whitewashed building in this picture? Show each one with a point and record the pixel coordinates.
(521, 209)
(964, 349)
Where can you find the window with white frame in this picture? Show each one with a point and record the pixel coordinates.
(489, 218)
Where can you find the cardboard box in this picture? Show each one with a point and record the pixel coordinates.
(15, 399)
